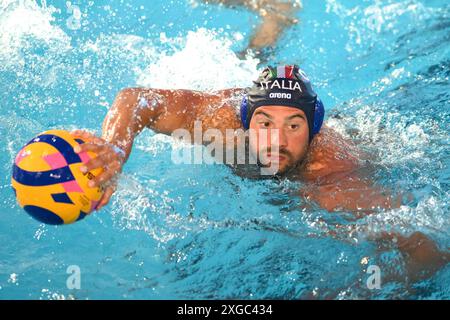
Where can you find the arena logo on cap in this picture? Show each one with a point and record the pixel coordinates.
(284, 84)
(279, 95)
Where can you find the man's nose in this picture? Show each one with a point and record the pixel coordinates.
(283, 139)
(279, 138)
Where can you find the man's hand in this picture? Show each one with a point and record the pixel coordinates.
(109, 157)
(423, 258)
(422, 255)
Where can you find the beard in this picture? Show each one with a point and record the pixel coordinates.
(280, 168)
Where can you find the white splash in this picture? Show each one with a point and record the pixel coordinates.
(205, 61)
(14, 278)
(429, 214)
(21, 23)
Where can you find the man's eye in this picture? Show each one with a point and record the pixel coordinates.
(265, 124)
(294, 126)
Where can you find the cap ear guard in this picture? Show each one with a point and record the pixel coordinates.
(244, 113)
(319, 114)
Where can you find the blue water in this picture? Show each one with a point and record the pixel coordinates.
(172, 231)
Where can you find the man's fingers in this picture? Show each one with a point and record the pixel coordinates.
(106, 175)
(105, 198)
(76, 132)
(93, 147)
(82, 134)
(103, 160)
(97, 162)
(79, 133)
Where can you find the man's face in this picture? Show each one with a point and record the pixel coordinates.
(285, 147)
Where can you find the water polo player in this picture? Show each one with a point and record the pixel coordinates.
(281, 99)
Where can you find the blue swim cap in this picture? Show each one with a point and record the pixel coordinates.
(286, 86)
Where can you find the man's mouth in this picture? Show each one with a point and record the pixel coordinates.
(274, 157)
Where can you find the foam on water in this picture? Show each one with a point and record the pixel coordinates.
(212, 64)
(36, 28)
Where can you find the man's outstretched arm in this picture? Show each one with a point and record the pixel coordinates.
(160, 110)
(165, 111)
(343, 188)
(421, 254)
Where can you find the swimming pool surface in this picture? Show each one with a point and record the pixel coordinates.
(191, 232)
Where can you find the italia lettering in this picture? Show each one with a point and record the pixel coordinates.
(281, 84)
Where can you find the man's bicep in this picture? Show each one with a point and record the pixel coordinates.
(185, 109)
(172, 109)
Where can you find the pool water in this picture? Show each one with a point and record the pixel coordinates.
(192, 232)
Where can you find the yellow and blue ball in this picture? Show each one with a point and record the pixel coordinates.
(48, 182)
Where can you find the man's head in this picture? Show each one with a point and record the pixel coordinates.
(281, 136)
(285, 113)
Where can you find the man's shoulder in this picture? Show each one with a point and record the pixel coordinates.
(221, 110)
(330, 153)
